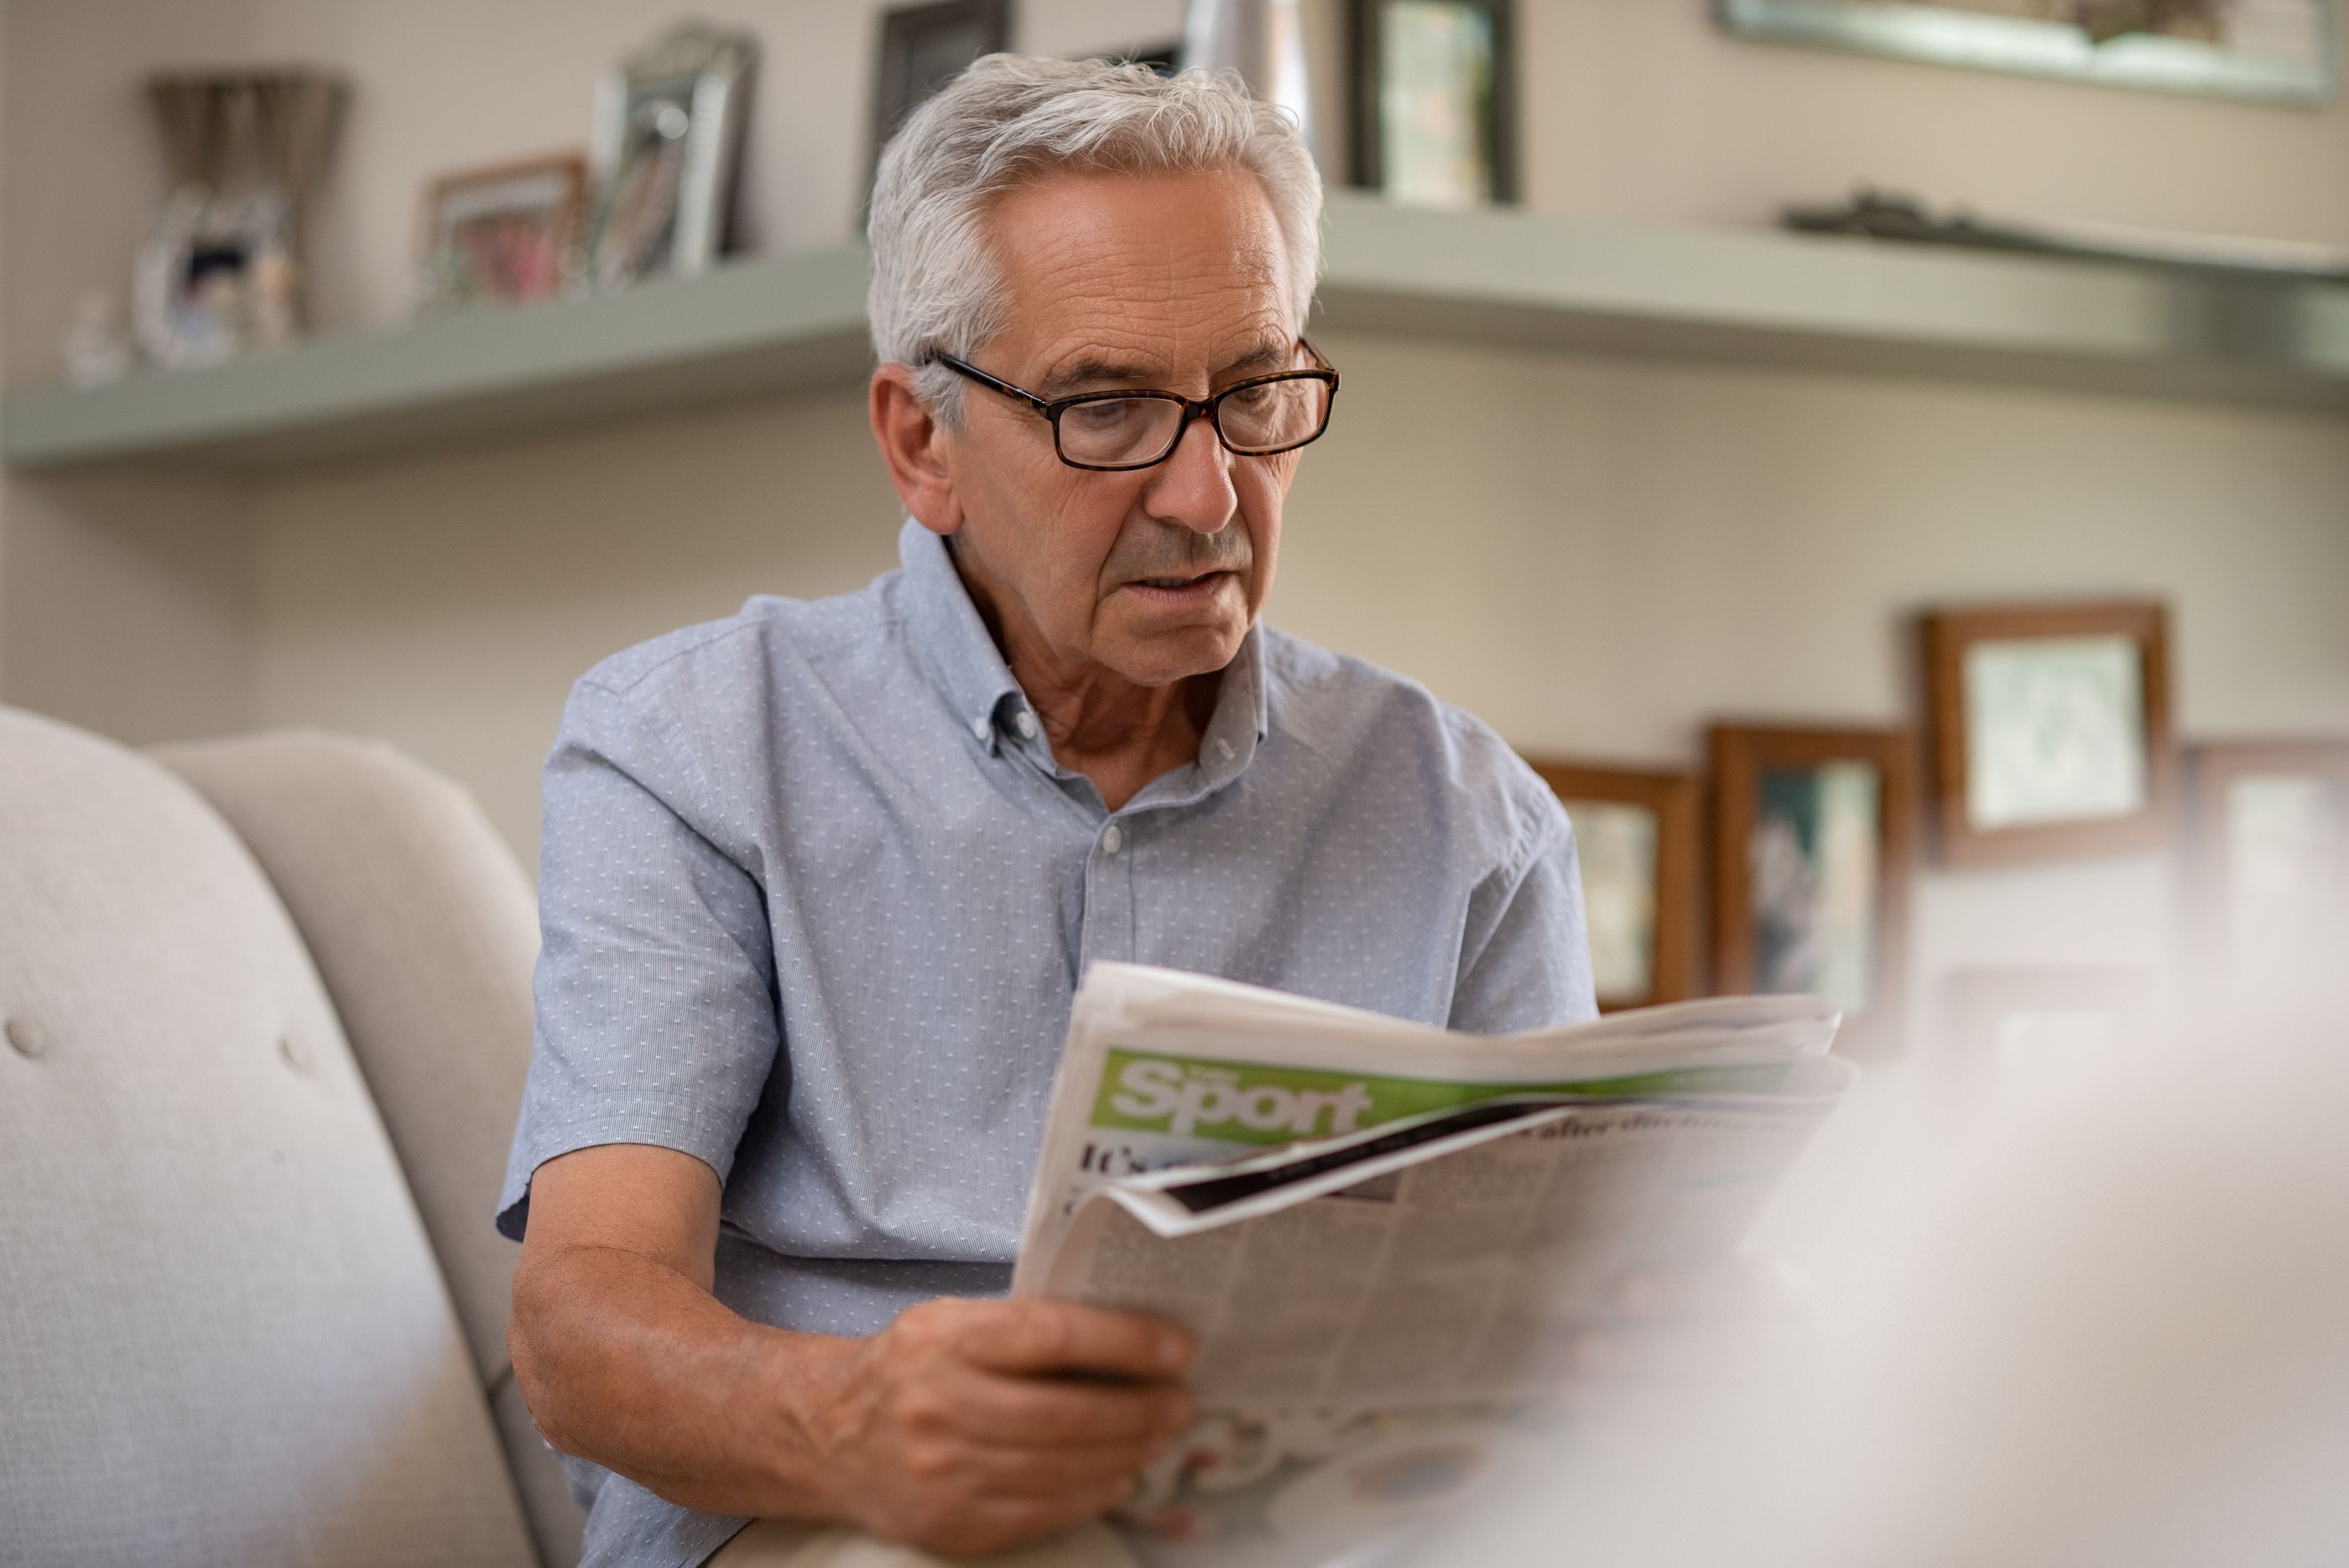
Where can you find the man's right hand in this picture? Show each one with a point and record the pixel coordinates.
(964, 1427)
(967, 1427)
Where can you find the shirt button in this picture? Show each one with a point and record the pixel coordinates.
(26, 1037)
(980, 728)
(1025, 723)
(1112, 840)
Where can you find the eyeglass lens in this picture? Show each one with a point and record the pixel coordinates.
(1111, 432)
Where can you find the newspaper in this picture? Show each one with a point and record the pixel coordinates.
(1386, 1239)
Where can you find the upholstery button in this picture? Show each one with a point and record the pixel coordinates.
(26, 1037)
(295, 1058)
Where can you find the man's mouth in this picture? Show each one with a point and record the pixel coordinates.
(1175, 585)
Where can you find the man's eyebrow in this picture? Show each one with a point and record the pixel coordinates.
(1097, 370)
(1263, 357)
(1100, 371)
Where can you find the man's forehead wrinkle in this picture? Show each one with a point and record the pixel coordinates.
(1108, 292)
(1105, 335)
(1090, 361)
(1069, 229)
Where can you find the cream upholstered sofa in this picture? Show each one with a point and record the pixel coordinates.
(264, 1016)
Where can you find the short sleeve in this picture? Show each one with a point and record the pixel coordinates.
(656, 1021)
(1526, 956)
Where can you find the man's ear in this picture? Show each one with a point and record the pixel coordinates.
(914, 447)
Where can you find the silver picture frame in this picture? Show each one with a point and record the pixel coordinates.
(1950, 34)
(665, 145)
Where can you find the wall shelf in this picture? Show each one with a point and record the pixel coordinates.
(747, 330)
(1767, 298)
(1506, 279)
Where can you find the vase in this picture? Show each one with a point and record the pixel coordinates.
(1290, 54)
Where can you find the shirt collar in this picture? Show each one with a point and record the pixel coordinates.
(962, 658)
(1239, 720)
(965, 665)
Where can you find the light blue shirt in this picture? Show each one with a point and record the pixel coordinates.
(816, 898)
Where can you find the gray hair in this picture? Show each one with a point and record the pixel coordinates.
(1011, 119)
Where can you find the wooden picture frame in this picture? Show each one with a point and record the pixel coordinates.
(1989, 1010)
(2010, 738)
(923, 47)
(2222, 926)
(1749, 758)
(1674, 970)
(1367, 39)
(503, 234)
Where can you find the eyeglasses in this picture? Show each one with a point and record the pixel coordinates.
(1111, 431)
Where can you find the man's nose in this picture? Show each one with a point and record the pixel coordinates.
(1194, 487)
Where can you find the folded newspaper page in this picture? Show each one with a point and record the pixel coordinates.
(1386, 1238)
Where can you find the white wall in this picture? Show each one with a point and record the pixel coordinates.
(1652, 114)
(450, 602)
(131, 604)
(1598, 558)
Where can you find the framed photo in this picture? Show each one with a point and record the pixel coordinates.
(1638, 837)
(2005, 1029)
(505, 235)
(668, 140)
(2279, 51)
(1814, 845)
(2051, 730)
(1435, 100)
(217, 277)
(2268, 859)
(923, 47)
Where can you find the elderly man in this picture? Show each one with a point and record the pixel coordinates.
(819, 881)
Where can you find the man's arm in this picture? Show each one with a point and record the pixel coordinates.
(964, 1427)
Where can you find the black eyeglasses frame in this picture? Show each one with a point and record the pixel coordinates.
(1208, 408)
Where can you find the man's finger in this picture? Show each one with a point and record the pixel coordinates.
(1043, 1412)
(1035, 1337)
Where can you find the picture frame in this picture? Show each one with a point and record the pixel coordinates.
(2051, 730)
(2002, 1025)
(665, 152)
(1433, 105)
(923, 47)
(503, 234)
(2294, 60)
(1814, 854)
(2267, 857)
(1638, 833)
(217, 279)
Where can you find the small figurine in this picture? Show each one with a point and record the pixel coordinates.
(96, 349)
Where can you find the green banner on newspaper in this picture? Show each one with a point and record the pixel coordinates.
(1239, 1102)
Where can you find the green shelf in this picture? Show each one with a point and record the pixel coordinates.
(1777, 300)
(745, 329)
(1504, 279)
